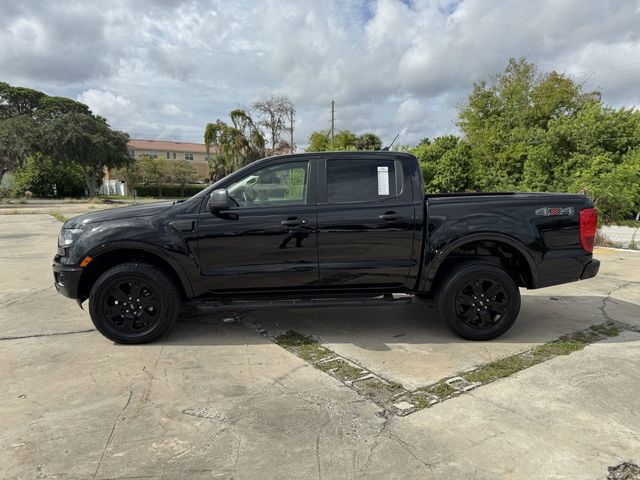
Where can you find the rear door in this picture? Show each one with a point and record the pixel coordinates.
(365, 221)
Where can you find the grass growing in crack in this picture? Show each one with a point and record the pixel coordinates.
(292, 339)
(341, 369)
(440, 389)
(608, 329)
(420, 402)
(378, 391)
(303, 346)
(563, 346)
(58, 216)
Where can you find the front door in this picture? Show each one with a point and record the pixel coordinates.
(268, 239)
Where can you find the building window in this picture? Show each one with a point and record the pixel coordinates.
(132, 153)
(153, 154)
(171, 155)
(188, 156)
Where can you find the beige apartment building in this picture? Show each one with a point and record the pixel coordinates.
(191, 152)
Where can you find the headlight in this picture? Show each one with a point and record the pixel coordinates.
(68, 236)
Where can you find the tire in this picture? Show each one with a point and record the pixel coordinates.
(134, 303)
(478, 301)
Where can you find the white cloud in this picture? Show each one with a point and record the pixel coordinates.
(107, 104)
(163, 69)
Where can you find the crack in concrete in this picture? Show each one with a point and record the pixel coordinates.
(388, 434)
(406, 447)
(19, 296)
(607, 298)
(235, 465)
(318, 456)
(55, 334)
(113, 429)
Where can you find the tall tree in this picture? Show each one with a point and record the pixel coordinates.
(24, 115)
(89, 142)
(500, 115)
(19, 138)
(16, 101)
(276, 115)
(235, 145)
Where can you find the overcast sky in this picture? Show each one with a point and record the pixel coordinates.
(163, 69)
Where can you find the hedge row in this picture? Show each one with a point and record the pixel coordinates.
(169, 191)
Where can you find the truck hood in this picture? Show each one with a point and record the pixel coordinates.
(118, 214)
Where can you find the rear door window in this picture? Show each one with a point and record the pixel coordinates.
(361, 180)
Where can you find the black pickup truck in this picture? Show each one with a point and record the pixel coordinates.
(317, 229)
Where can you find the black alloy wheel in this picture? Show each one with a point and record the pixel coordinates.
(481, 303)
(131, 306)
(133, 303)
(478, 301)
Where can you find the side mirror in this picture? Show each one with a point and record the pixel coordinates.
(219, 200)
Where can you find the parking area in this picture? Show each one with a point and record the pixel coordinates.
(219, 399)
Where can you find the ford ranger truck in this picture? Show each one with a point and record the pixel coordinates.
(319, 229)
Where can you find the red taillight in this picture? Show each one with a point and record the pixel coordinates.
(588, 228)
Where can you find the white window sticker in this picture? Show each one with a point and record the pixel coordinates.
(383, 180)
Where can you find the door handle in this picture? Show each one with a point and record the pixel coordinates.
(390, 216)
(293, 222)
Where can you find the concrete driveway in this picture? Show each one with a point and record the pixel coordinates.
(221, 400)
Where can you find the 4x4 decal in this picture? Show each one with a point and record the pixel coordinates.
(554, 211)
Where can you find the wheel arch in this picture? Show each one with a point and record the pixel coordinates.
(497, 249)
(105, 258)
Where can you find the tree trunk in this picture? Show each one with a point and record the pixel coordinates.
(273, 134)
(89, 182)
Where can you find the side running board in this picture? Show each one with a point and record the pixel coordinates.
(247, 303)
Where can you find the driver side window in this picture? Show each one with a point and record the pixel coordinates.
(284, 184)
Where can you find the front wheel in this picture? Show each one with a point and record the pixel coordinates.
(133, 303)
(478, 301)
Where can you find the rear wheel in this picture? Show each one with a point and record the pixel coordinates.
(133, 303)
(478, 301)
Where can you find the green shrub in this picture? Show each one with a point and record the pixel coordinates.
(45, 177)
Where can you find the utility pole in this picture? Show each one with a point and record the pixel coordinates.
(291, 113)
(333, 121)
